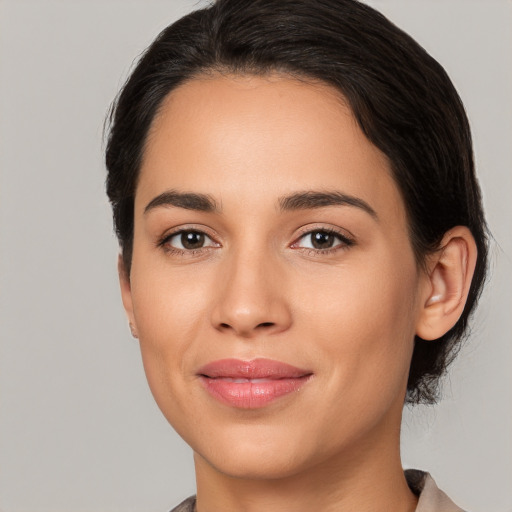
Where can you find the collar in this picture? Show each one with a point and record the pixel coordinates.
(431, 498)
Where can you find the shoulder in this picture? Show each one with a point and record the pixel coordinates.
(431, 498)
(186, 506)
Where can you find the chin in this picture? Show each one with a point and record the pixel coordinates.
(254, 463)
(258, 451)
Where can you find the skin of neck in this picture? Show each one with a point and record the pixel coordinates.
(367, 477)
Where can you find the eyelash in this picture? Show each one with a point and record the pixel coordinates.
(346, 242)
(169, 249)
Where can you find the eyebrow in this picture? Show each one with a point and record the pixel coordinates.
(313, 199)
(298, 201)
(186, 200)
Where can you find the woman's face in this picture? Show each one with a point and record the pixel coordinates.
(273, 285)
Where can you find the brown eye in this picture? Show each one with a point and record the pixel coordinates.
(323, 240)
(192, 239)
(188, 240)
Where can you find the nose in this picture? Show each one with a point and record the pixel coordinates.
(251, 297)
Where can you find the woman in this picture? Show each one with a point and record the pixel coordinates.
(302, 243)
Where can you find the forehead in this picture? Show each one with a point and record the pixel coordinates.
(257, 137)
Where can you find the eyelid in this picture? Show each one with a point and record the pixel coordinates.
(178, 234)
(169, 234)
(343, 244)
(344, 235)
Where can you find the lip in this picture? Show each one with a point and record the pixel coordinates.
(251, 384)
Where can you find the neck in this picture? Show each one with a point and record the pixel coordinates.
(365, 479)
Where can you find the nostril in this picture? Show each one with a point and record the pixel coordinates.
(224, 325)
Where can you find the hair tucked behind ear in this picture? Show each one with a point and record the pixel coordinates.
(401, 97)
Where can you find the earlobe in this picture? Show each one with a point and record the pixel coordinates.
(126, 294)
(449, 278)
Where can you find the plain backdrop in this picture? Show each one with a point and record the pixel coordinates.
(79, 430)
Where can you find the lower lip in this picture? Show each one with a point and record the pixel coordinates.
(253, 393)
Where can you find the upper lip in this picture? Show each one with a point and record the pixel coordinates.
(254, 369)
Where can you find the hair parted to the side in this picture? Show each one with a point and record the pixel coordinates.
(401, 97)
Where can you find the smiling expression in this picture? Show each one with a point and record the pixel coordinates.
(269, 231)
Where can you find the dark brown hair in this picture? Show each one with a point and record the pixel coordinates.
(401, 97)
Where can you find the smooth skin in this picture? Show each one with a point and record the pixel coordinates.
(333, 288)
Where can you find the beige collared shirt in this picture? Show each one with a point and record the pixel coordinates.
(431, 498)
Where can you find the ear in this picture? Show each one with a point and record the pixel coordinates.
(449, 275)
(126, 294)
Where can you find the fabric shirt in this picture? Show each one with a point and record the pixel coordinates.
(431, 498)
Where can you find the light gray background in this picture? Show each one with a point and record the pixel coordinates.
(78, 428)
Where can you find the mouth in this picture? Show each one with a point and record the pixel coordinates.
(251, 384)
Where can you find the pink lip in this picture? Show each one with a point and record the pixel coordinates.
(251, 384)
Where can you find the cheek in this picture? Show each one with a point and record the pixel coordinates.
(170, 313)
(168, 302)
(364, 322)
